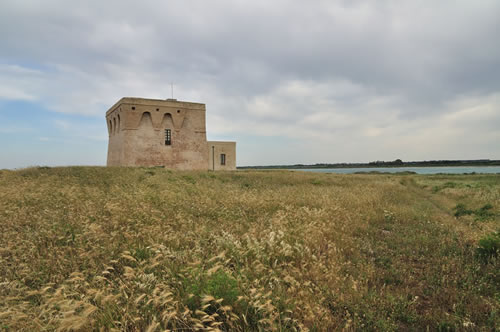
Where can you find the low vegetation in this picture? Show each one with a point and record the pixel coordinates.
(85, 248)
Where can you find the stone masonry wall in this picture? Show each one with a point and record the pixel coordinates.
(136, 128)
(216, 149)
(137, 134)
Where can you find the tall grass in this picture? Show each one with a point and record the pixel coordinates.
(85, 248)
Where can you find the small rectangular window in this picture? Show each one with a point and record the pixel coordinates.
(223, 159)
(168, 137)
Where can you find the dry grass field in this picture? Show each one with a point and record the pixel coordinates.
(148, 249)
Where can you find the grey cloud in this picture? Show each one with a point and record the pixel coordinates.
(363, 71)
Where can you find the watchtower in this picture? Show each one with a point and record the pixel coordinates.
(170, 133)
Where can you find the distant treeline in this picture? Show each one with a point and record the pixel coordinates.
(378, 163)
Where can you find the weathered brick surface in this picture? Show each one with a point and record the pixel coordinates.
(215, 149)
(137, 126)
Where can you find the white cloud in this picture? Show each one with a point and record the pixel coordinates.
(77, 130)
(8, 93)
(18, 83)
(355, 80)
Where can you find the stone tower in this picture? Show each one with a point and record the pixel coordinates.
(170, 133)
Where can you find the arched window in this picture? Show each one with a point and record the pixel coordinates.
(118, 125)
(114, 125)
(167, 124)
(110, 127)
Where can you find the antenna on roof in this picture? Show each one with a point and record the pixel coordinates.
(172, 92)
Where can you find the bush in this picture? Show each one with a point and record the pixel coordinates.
(484, 212)
(461, 210)
(489, 247)
(219, 285)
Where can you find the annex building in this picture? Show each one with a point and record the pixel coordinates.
(169, 133)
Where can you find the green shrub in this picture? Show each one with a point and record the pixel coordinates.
(219, 285)
(484, 212)
(222, 286)
(316, 182)
(435, 189)
(489, 247)
(461, 210)
(487, 206)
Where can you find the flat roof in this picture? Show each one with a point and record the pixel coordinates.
(222, 142)
(157, 102)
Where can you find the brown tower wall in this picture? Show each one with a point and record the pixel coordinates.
(137, 126)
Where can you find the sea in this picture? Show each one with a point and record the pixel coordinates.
(418, 170)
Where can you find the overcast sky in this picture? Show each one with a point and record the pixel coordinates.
(291, 81)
